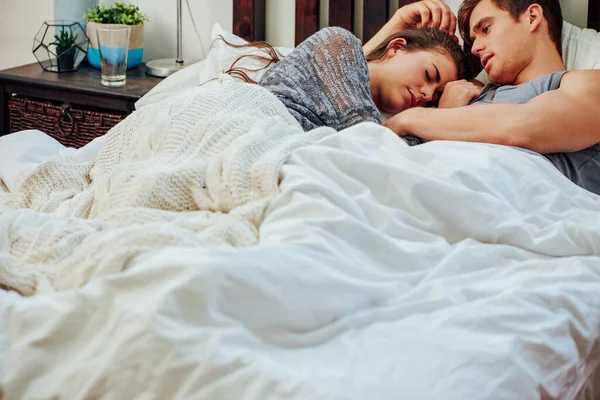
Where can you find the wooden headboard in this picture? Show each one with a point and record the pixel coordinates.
(249, 16)
(594, 14)
(342, 13)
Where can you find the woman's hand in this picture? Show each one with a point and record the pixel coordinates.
(459, 93)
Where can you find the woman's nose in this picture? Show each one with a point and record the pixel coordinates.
(427, 93)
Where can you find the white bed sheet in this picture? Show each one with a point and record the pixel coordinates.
(21, 152)
(448, 270)
(495, 318)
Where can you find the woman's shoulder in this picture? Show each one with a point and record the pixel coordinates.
(337, 33)
(335, 36)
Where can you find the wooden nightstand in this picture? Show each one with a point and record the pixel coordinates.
(81, 89)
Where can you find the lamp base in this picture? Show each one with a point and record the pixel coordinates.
(166, 66)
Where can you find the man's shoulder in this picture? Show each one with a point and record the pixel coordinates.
(582, 80)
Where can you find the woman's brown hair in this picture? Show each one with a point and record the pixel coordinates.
(427, 39)
(423, 39)
(271, 56)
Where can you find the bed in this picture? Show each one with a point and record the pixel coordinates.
(253, 261)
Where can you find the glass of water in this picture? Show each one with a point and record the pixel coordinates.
(113, 44)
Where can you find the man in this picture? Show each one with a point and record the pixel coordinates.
(543, 109)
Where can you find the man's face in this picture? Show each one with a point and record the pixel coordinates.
(501, 43)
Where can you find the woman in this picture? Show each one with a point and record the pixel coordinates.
(329, 81)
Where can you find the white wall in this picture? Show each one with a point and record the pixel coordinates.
(575, 11)
(19, 23)
(280, 22)
(72, 10)
(160, 33)
(21, 19)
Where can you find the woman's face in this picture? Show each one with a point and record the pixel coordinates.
(405, 79)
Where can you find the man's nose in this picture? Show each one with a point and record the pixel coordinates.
(477, 48)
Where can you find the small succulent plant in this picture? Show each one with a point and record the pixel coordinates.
(64, 39)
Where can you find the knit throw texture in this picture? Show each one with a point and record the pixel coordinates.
(197, 169)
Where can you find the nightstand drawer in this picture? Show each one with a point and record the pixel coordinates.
(93, 108)
(71, 124)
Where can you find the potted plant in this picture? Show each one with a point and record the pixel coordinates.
(65, 49)
(119, 13)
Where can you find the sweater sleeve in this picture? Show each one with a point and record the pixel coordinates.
(325, 81)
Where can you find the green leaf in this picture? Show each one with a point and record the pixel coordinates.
(119, 13)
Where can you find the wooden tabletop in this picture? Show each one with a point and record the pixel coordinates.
(86, 79)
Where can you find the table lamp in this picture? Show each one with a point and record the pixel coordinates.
(167, 66)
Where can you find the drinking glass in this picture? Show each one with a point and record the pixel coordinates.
(113, 44)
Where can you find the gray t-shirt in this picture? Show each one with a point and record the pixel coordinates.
(581, 167)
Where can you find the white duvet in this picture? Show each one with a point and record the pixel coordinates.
(444, 271)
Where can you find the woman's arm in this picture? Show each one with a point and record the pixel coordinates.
(426, 13)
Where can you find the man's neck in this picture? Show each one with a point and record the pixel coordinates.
(544, 62)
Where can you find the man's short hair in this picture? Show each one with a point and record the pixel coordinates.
(515, 8)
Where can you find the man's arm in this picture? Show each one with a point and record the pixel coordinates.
(426, 13)
(562, 120)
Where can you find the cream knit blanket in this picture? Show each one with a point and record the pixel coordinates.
(195, 170)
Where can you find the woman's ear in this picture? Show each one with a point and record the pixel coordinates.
(395, 45)
(535, 16)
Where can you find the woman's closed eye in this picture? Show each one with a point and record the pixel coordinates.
(432, 74)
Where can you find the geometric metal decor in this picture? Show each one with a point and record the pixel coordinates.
(60, 46)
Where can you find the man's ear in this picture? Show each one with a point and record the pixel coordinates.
(395, 45)
(535, 16)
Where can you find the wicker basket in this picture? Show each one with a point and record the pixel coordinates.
(71, 126)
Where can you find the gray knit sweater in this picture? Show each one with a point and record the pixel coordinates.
(325, 82)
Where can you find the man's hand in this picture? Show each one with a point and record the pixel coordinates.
(459, 94)
(424, 14)
(558, 121)
(396, 124)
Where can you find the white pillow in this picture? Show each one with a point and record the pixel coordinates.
(219, 59)
(181, 80)
(221, 56)
(581, 47)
